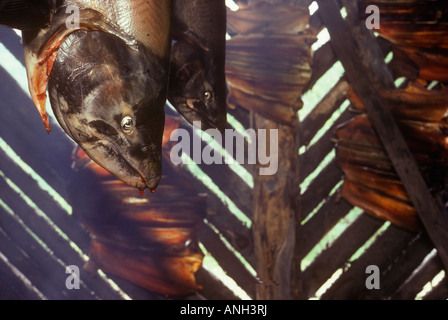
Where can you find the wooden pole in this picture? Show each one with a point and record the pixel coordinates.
(268, 65)
(348, 53)
(275, 210)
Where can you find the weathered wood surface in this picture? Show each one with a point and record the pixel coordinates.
(275, 217)
(261, 81)
(427, 271)
(402, 264)
(329, 104)
(392, 240)
(317, 152)
(347, 50)
(336, 256)
(334, 209)
(321, 187)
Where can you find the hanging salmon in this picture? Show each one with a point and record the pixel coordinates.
(371, 182)
(197, 85)
(268, 61)
(106, 63)
(418, 31)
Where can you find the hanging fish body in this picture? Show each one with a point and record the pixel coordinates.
(24, 15)
(197, 85)
(106, 63)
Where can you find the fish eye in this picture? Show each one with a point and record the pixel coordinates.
(127, 124)
(207, 95)
(144, 148)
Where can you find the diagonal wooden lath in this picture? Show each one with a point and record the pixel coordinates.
(357, 72)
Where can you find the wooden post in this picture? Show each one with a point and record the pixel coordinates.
(276, 212)
(349, 54)
(268, 65)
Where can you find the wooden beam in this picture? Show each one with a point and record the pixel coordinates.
(349, 54)
(276, 210)
(370, 53)
(275, 216)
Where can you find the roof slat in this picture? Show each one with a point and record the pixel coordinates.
(335, 256)
(317, 152)
(334, 209)
(381, 253)
(415, 283)
(402, 266)
(322, 112)
(320, 188)
(227, 260)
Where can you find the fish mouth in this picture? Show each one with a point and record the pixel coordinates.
(187, 108)
(121, 166)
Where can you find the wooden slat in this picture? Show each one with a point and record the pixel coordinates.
(232, 185)
(322, 112)
(233, 231)
(76, 232)
(416, 282)
(22, 262)
(228, 180)
(334, 257)
(48, 154)
(227, 260)
(39, 266)
(242, 115)
(13, 288)
(351, 284)
(239, 236)
(385, 46)
(402, 266)
(369, 52)
(318, 151)
(316, 22)
(320, 187)
(323, 59)
(276, 214)
(440, 292)
(59, 247)
(133, 291)
(435, 223)
(213, 288)
(326, 218)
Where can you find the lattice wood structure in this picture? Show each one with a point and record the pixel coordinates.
(319, 245)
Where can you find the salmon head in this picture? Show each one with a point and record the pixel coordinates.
(101, 92)
(197, 83)
(105, 65)
(197, 86)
